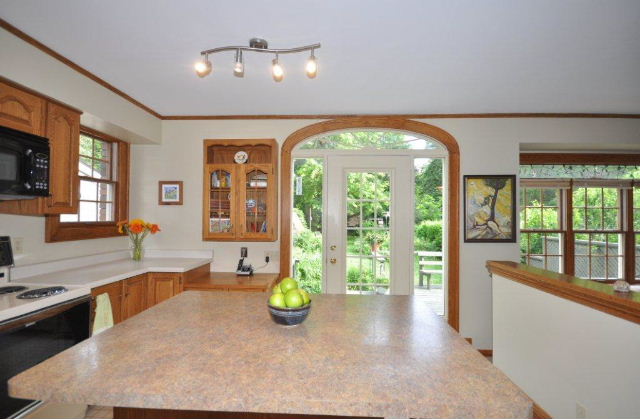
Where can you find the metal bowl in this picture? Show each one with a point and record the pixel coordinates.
(289, 316)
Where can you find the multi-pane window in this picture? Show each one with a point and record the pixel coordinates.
(598, 234)
(97, 170)
(581, 219)
(541, 227)
(636, 228)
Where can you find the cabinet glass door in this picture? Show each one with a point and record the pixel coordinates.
(256, 202)
(221, 201)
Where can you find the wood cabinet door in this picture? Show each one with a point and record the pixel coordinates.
(115, 297)
(162, 286)
(63, 131)
(21, 110)
(257, 202)
(135, 296)
(219, 202)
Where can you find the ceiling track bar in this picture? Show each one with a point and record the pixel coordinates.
(267, 50)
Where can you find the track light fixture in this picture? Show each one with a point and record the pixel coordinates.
(277, 70)
(203, 68)
(238, 67)
(312, 66)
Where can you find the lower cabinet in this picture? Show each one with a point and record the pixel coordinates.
(136, 294)
(134, 299)
(162, 286)
(115, 298)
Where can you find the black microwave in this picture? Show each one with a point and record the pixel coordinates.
(24, 165)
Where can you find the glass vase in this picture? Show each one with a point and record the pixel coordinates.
(137, 251)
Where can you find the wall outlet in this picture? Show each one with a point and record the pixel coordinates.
(581, 411)
(273, 255)
(17, 245)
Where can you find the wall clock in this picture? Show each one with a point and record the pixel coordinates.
(241, 157)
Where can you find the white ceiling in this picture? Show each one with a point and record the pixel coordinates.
(464, 56)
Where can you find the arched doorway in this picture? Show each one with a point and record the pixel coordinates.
(383, 123)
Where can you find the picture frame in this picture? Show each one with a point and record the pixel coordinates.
(490, 209)
(170, 192)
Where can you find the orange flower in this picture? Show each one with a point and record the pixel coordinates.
(136, 228)
(121, 225)
(154, 228)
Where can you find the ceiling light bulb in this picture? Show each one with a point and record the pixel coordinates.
(278, 71)
(238, 67)
(203, 68)
(312, 66)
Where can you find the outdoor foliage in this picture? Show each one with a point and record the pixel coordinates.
(307, 243)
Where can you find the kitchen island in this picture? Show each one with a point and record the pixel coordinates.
(202, 352)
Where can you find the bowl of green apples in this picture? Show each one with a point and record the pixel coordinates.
(289, 305)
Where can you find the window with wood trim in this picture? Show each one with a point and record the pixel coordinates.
(103, 172)
(597, 214)
(636, 228)
(542, 232)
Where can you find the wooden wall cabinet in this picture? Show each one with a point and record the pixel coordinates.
(30, 112)
(21, 110)
(240, 199)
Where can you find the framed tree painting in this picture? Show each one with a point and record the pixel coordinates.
(489, 208)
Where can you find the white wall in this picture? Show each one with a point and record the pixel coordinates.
(562, 353)
(488, 146)
(103, 109)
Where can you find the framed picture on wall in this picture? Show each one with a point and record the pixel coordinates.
(489, 208)
(170, 192)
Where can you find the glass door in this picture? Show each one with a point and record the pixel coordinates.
(256, 202)
(369, 225)
(220, 187)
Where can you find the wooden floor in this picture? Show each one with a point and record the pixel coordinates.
(434, 298)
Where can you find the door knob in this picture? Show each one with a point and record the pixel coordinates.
(333, 247)
(332, 260)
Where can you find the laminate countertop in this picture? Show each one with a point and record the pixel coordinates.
(383, 356)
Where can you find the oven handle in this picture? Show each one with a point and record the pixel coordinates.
(35, 316)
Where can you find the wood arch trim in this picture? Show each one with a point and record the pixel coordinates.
(382, 122)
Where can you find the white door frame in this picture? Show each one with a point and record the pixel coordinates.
(401, 208)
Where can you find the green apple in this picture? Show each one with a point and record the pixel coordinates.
(305, 296)
(293, 298)
(288, 284)
(277, 300)
(276, 289)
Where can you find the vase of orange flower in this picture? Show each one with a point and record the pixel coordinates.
(137, 230)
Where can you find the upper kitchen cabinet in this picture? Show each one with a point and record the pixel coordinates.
(28, 111)
(240, 190)
(21, 110)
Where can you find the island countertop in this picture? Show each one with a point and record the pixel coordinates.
(382, 356)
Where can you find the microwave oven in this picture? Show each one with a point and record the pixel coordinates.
(24, 165)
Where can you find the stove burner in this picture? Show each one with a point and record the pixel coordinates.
(41, 292)
(10, 289)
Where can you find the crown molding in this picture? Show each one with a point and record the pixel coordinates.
(42, 47)
(64, 60)
(406, 116)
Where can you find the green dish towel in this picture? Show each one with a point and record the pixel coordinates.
(104, 315)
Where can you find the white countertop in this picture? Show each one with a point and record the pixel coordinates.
(105, 273)
(82, 279)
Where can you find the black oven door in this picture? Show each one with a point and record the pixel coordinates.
(28, 340)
